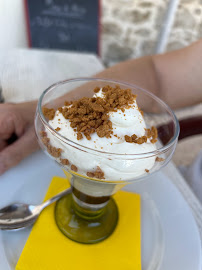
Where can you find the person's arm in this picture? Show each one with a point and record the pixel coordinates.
(175, 77)
(180, 76)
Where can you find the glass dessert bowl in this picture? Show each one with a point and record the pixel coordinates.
(102, 142)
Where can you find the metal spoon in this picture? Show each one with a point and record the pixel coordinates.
(19, 215)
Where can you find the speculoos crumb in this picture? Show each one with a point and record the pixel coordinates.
(90, 115)
(96, 174)
(158, 159)
(49, 113)
(151, 134)
(64, 161)
(53, 151)
(74, 168)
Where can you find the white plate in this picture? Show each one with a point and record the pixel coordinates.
(170, 238)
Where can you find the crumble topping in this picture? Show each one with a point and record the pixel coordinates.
(49, 113)
(74, 168)
(97, 174)
(90, 115)
(64, 161)
(158, 159)
(150, 133)
(53, 151)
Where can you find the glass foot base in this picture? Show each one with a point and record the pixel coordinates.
(85, 229)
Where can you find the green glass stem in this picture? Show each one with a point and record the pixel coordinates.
(83, 222)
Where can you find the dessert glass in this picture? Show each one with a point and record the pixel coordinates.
(89, 214)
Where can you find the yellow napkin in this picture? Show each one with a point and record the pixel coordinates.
(47, 248)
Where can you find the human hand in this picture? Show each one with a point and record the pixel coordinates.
(16, 119)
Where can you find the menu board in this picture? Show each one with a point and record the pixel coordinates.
(64, 24)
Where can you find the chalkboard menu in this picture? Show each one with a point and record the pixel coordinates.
(63, 24)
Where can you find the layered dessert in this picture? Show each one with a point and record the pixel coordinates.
(103, 142)
(110, 123)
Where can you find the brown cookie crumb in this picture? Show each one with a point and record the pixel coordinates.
(43, 134)
(128, 139)
(153, 140)
(97, 174)
(142, 113)
(49, 113)
(45, 141)
(152, 133)
(146, 170)
(105, 130)
(74, 168)
(96, 90)
(44, 138)
(90, 174)
(67, 103)
(64, 161)
(123, 110)
(53, 151)
(57, 129)
(90, 115)
(135, 139)
(158, 159)
(79, 136)
(141, 140)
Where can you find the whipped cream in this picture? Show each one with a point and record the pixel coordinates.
(124, 123)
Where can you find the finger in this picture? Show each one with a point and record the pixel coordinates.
(10, 122)
(19, 150)
(6, 126)
(3, 144)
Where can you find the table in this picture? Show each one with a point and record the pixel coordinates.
(25, 73)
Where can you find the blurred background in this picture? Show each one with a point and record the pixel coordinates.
(133, 28)
(129, 28)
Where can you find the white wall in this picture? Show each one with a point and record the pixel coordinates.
(12, 24)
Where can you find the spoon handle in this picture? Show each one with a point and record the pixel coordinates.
(56, 197)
